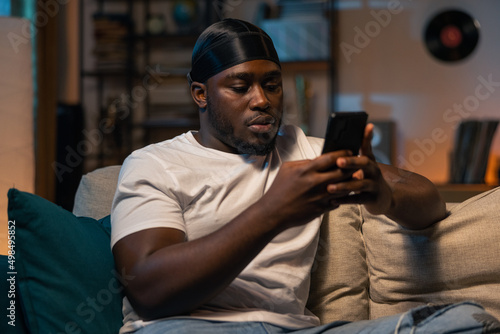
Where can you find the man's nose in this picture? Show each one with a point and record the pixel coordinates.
(259, 99)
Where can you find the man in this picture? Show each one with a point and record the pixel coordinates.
(219, 226)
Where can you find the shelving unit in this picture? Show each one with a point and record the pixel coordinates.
(145, 98)
(135, 58)
(112, 65)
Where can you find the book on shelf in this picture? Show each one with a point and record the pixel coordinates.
(112, 41)
(470, 155)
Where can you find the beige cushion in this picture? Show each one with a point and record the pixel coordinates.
(95, 192)
(456, 259)
(339, 288)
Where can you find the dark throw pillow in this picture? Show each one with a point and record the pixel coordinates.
(64, 268)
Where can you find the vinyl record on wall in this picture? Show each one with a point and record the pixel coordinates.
(451, 35)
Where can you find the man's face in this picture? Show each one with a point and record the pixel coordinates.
(244, 108)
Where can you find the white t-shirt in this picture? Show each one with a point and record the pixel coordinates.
(181, 184)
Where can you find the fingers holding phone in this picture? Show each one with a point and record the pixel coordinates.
(349, 131)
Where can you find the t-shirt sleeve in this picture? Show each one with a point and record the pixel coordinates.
(145, 198)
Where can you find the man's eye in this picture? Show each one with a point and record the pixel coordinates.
(272, 88)
(239, 89)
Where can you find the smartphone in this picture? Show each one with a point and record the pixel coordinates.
(345, 131)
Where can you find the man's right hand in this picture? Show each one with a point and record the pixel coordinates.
(299, 192)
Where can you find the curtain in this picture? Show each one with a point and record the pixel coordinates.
(45, 22)
(42, 17)
(16, 114)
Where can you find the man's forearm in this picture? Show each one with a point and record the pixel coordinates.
(416, 202)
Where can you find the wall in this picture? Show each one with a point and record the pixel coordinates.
(394, 77)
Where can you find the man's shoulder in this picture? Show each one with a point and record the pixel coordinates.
(161, 152)
(180, 142)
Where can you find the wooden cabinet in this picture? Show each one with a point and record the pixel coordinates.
(456, 193)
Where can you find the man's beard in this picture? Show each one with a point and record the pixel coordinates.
(225, 133)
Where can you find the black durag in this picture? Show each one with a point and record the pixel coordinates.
(228, 43)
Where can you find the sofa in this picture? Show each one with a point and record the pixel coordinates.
(60, 276)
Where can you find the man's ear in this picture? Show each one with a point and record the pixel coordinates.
(199, 94)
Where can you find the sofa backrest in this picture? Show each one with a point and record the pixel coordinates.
(94, 195)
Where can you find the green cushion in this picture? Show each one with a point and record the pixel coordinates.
(65, 268)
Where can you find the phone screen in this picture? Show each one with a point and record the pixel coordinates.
(345, 131)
